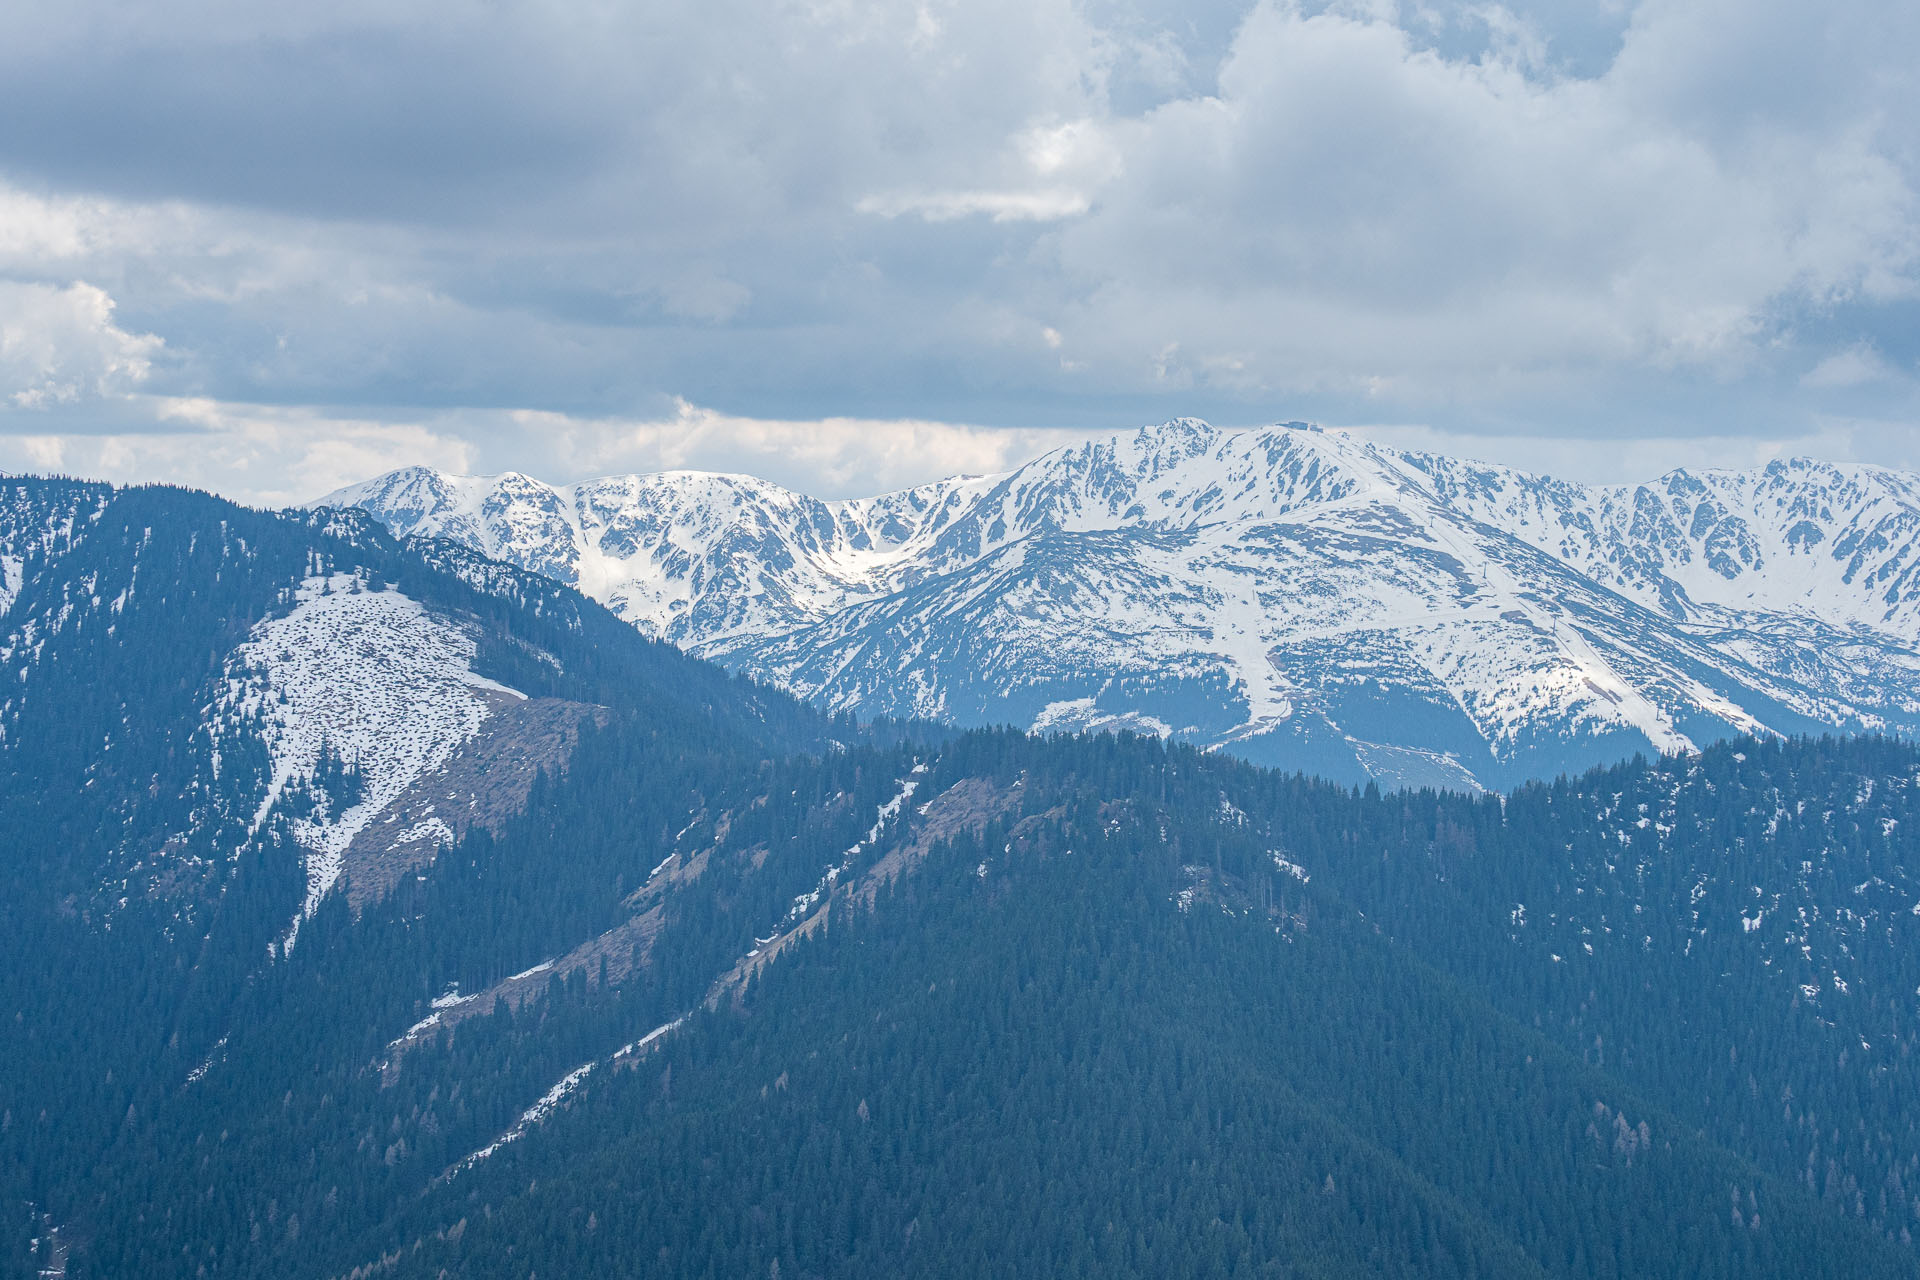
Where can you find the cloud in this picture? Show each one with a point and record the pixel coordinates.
(1351, 211)
(60, 346)
(258, 454)
(1686, 216)
(831, 457)
(1855, 367)
(271, 456)
(1001, 206)
(1078, 152)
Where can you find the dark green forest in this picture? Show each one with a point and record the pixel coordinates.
(925, 1003)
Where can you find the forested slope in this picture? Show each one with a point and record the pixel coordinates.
(1113, 1033)
(149, 867)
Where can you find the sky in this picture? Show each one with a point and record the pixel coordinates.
(273, 249)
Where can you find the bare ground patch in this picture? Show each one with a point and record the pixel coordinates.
(485, 783)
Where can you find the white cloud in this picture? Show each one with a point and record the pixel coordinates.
(1057, 168)
(60, 346)
(261, 455)
(1001, 206)
(1351, 207)
(828, 457)
(37, 230)
(273, 456)
(1856, 366)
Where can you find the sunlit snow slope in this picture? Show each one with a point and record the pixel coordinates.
(1300, 597)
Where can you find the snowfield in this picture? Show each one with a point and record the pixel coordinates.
(370, 675)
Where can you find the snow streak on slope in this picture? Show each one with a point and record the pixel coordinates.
(1300, 596)
(551, 1100)
(370, 676)
(10, 571)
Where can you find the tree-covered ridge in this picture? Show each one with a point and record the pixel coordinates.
(1101, 1002)
(1114, 994)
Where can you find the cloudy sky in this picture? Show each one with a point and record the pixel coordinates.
(269, 249)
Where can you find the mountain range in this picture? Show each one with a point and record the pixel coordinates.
(370, 907)
(1300, 597)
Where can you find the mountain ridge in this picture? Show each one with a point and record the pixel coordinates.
(1298, 595)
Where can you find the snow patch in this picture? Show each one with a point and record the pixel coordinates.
(371, 676)
(12, 571)
(431, 829)
(1293, 869)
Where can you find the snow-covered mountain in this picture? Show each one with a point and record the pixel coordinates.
(1299, 596)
